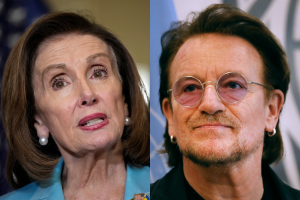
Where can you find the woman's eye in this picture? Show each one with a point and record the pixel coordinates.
(58, 83)
(99, 73)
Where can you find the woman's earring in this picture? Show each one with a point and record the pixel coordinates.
(273, 133)
(43, 141)
(173, 139)
(127, 121)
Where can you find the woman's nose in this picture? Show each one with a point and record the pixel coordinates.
(211, 103)
(87, 95)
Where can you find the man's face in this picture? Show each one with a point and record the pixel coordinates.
(213, 131)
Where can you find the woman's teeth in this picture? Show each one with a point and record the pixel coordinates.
(93, 122)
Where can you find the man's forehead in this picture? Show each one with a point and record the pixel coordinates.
(213, 55)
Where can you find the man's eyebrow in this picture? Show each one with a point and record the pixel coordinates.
(92, 57)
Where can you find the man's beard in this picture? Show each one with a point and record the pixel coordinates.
(212, 159)
(237, 151)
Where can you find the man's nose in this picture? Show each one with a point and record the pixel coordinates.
(211, 103)
(87, 94)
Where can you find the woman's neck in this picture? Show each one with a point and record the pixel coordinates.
(95, 175)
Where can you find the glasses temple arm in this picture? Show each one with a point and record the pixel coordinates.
(258, 84)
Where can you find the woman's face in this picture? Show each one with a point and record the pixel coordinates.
(78, 94)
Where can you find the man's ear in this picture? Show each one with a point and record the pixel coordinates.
(41, 129)
(167, 110)
(273, 110)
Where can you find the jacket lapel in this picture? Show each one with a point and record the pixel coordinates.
(52, 188)
(137, 181)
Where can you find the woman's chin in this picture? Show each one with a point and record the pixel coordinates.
(103, 144)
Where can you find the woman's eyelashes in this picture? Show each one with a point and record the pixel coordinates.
(98, 72)
(58, 82)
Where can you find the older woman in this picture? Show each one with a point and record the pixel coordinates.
(74, 114)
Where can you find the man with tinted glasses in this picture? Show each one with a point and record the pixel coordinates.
(224, 78)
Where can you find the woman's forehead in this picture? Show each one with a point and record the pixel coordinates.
(70, 48)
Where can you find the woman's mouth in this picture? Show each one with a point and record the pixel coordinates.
(93, 122)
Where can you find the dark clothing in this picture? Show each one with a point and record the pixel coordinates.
(174, 186)
(190, 192)
(193, 195)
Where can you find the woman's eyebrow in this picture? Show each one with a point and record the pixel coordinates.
(50, 67)
(93, 56)
(63, 65)
(53, 66)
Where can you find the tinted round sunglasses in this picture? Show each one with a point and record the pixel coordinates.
(232, 87)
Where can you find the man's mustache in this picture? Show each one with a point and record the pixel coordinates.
(218, 118)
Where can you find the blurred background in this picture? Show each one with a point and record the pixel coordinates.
(283, 19)
(129, 20)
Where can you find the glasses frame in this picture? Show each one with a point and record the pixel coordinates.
(216, 84)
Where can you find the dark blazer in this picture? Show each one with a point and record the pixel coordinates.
(172, 185)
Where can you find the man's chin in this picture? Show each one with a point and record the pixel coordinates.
(214, 160)
(217, 152)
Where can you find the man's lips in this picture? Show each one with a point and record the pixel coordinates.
(90, 118)
(216, 121)
(213, 125)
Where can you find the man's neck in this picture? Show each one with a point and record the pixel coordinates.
(241, 180)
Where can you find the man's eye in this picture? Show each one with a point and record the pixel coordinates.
(234, 85)
(189, 88)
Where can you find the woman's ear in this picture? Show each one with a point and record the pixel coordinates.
(126, 112)
(167, 110)
(126, 109)
(273, 110)
(41, 129)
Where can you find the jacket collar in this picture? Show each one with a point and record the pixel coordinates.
(137, 181)
(283, 190)
(171, 186)
(52, 188)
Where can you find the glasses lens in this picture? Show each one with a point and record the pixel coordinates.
(187, 91)
(232, 87)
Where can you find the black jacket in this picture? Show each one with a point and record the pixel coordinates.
(172, 185)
